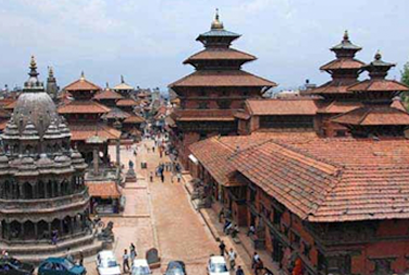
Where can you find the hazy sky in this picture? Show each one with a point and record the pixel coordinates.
(147, 40)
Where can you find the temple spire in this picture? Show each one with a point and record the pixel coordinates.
(122, 79)
(82, 78)
(33, 67)
(217, 24)
(50, 72)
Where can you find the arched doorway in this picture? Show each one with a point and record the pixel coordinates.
(29, 231)
(27, 191)
(43, 232)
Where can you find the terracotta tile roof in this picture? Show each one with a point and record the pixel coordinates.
(374, 115)
(379, 85)
(332, 87)
(203, 115)
(339, 107)
(322, 181)
(81, 85)
(103, 190)
(6, 101)
(241, 114)
(107, 94)
(126, 102)
(116, 113)
(134, 119)
(220, 54)
(398, 104)
(4, 113)
(225, 78)
(11, 105)
(343, 63)
(3, 125)
(214, 154)
(85, 131)
(83, 107)
(287, 106)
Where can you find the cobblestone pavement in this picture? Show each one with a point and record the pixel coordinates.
(158, 215)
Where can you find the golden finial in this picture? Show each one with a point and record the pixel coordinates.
(82, 78)
(107, 86)
(378, 55)
(216, 24)
(122, 79)
(346, 35)
(50, 71)
(33, 64)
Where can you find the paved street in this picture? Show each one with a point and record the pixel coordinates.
(159, 215)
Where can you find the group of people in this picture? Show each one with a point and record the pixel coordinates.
(128, 257)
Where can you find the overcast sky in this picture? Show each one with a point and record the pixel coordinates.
(147, 40)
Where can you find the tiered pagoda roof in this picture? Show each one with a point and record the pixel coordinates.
(123, 86)
(377, 94)
(344, 70)
(218, 65)
(108, 94)
(82, 84)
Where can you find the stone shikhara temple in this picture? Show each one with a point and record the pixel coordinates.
(42, 190)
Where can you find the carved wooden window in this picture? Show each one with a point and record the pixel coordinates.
(277, 216)
(203, 105)
(383, 266)
(224, 104)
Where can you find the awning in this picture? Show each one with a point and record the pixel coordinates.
(193, 159)
(103, 189)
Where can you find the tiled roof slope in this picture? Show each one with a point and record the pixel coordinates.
(374, 115)
(222, 78)
(320, 180)
(323, 181)
(82, 85)
(108, 94)
(295, 106)
(83, 107)
(220, 54)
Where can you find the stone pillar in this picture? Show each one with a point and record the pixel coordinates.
(118, 153)
(36, 231)
(21, 235)
(95, 160)
(8, 231)
(52, 189)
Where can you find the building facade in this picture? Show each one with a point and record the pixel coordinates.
(210, 96)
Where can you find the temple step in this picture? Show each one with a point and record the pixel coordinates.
(37, 253)
(87, 250)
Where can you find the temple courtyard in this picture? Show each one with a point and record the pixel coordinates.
(159, 215)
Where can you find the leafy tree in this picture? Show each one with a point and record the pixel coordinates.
(405, 79)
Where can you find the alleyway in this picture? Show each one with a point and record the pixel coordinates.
(159, 215)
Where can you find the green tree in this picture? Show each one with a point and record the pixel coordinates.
(405, 79)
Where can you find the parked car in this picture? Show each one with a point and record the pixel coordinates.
(217, 266)
(176, 268)
(107, 264)
(140, 267)
(60, 266)
(12, 266)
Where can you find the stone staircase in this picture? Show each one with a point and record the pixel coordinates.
(88, 245)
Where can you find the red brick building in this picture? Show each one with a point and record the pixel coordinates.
(211, 95)
(338, 203)
(83, 115)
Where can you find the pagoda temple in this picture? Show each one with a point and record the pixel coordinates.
(42, 186)
(210, 96)
(84, 118)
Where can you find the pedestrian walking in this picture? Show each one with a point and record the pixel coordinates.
(255, 259)
(81, 260)
(259, 266)
(133, 253)
(151, 176)
(239, 271)
(252, 231)
(222, 247)
(153, 149)
(125, 262)
(232, 259)
(179, 177)
(162, 177)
